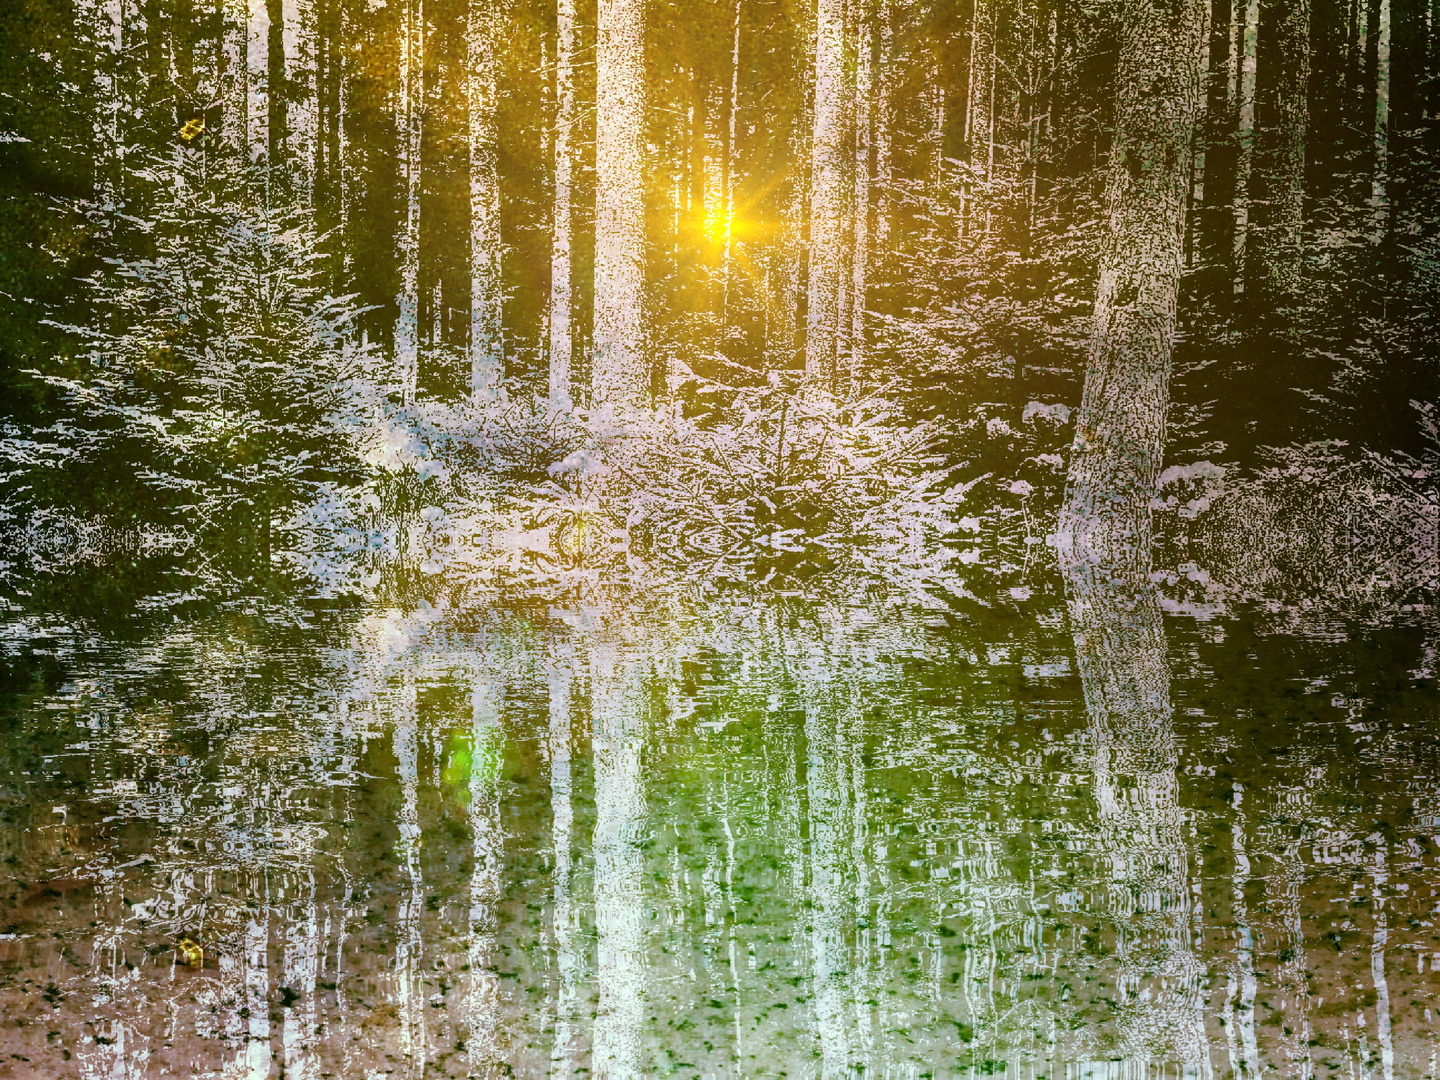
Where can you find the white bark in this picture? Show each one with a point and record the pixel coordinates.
(619, 376)
(482, 1003)
(617, 705)
(561, 343)
(409, 950)
(865, 117)
(486, 288)
(565, 916)
(1248, 35)
(829, 210)
(407, 321)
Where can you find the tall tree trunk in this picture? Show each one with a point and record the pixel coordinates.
(865, 113)
(1380, 128)
(1215, 227)
(275, 88)
(1247, 35)
(561, 285)
(486, 286)
(1120, 431)
(257, 82)
(880, 120)
(831, 169)
(1278, 180)
(407, 320)
(619, 375)
(727, 175)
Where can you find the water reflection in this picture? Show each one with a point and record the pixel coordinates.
(1124, 667)
(755, 838)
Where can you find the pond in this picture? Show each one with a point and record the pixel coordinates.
(758, 835)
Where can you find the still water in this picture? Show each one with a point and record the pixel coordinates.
(758, 836)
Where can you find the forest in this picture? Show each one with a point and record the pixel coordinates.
(719, 538)
(763, 287)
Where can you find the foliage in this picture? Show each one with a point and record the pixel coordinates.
(220, 384)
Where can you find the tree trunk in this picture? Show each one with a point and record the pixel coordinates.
(618, 721)
(865, 113)
(1120, 651)
(728, 162)
(275, 87)
(407, 321)
(560, 281)
(1247, 33)
(486, 286)
(830, 169)
(1278, 182)
(620, 378)
(1120, 433)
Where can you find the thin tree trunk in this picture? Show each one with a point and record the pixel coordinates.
(830, 225)
(407, 322)
(486, 286)
(880, 120)
(1379, 201)
(275, 86)
(620, 378)
(482, 1000)
(1248, 32)
(565, 920)
(727, 179)
(1120, 432)
(865, 111)
(1279, 175)
(561, 285)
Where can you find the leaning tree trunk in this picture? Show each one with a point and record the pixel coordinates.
(560, 279)
(486, 296)
(619, 377)
(1120, 433)
(830, 166)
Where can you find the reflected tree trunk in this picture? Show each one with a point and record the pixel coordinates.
(1120, 431)
(482, 1002)
(830, 782)
(617, 708)
(619, 375)
(565, 917)
(410, 946)
(1120, 649)
(486, 284)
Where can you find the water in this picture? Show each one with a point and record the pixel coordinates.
(758, 836)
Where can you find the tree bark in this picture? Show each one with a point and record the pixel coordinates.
(1120, 433)
(486, 286)
(560, 280)
(1121, 653)
(1278, 182)
(620, 378)
(407, 321)
(830, 169)
(865, 123)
